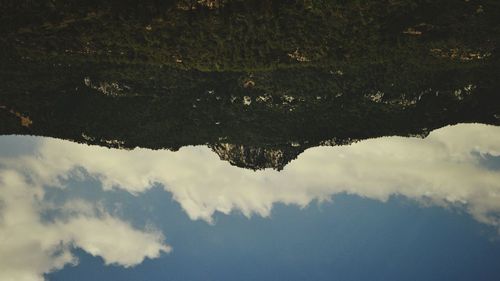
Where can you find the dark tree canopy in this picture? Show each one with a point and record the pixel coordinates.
(259, 75)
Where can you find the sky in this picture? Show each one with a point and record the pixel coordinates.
(390, 208)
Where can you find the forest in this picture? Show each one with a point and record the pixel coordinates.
(263, 75)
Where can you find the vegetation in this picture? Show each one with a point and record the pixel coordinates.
(251, 35)
(278, 75)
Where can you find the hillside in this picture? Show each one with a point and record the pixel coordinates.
(258, 81)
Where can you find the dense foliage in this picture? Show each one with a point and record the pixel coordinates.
(285, 74)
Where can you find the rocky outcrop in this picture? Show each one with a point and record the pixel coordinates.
(256, 158)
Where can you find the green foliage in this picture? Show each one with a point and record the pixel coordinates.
(250, 35)
(164, 74)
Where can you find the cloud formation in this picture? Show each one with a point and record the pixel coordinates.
(443, 169)
(30, 247)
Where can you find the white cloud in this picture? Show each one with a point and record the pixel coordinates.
(114, 240)
(30, 247)
(441, 168)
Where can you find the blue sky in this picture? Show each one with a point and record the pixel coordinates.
(383, 209)
(349, 239)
